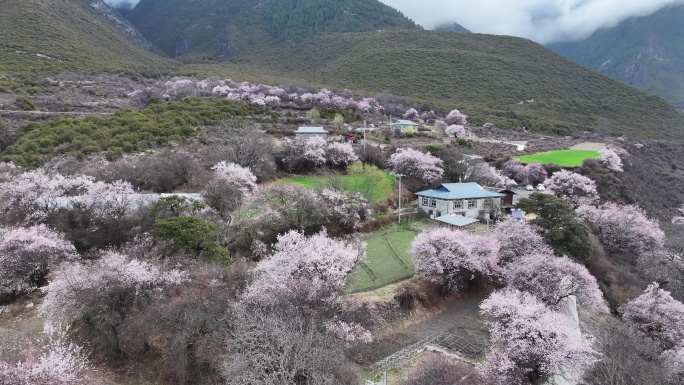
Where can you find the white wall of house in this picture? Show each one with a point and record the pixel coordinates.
(471, 207)
(404, 127)
(309, 136)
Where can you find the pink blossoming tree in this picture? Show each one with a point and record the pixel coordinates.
(304, 267)
(623, 229)
(456, 130)
(303, 153)
(57, 362)
(27, 254)
(453, 258)
(512, 168)
(240, 177)
(102, 292)
(532, 173)
(456, 117)
(611, 160)
(528, 341)
(341, 154)
(348, 209)
(411, 113)
(553, 280)
(421, 168)
(657, 315)
(518, 238)
(576, 189)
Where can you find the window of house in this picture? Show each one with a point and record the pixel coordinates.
(488, 204)
(472, 204)
(433, 202)
(458, 205)
(425, 201)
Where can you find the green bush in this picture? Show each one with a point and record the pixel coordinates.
(126, 131)
(175, 206)
(25, 104)
(193, 236)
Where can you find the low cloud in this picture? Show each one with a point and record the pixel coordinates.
(127, 4)
(544, 21)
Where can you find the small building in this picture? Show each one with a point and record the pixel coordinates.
(456, 221)
(310, 132)
(404, 125)
(468, 200)
(507, 202)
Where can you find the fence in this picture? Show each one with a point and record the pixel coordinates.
(455, 345)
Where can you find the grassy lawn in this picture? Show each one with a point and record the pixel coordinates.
(387, 260)
(353, 183)
(563, 158)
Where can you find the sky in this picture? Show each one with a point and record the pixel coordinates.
(544, 21)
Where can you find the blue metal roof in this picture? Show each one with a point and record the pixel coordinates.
(403, 123)
(456, 220)
(453, 191)
(311, 130)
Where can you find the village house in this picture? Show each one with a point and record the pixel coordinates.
(311, 132)
(468, 200)
(404, 126)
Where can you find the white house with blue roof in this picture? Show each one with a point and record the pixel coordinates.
(404, 125)
(469, 200)
(311, 132)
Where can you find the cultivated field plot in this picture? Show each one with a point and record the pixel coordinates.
(459, 328)
(563, 158)
(380, 189)
(387, 260)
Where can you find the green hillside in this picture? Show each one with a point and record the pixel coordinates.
(646, 52)
(58, 36)
(223, 29)
(485, 76)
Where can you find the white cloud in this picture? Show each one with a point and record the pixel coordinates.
(126, 3)
(544, 21)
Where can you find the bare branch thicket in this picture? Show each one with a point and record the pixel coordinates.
(625, 358)
(277, 346)
(243, 143)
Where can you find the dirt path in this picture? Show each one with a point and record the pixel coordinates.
(462, 318)
(589, 146)
(48, 113)
(519, 145)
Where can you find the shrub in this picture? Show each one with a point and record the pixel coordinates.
(193, 236)
(25, 104)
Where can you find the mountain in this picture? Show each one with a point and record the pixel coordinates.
(645, 52)
(223, 29)
(451, 27)
(60, 36)
(509, 81)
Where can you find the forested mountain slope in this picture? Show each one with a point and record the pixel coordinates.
(223, 29)
(646, 52)
(509, 81)
(57, 36)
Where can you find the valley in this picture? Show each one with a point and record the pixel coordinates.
(323, 192)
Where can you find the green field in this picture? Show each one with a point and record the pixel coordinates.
(563, 158)
(380, 189)
(387, 260)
